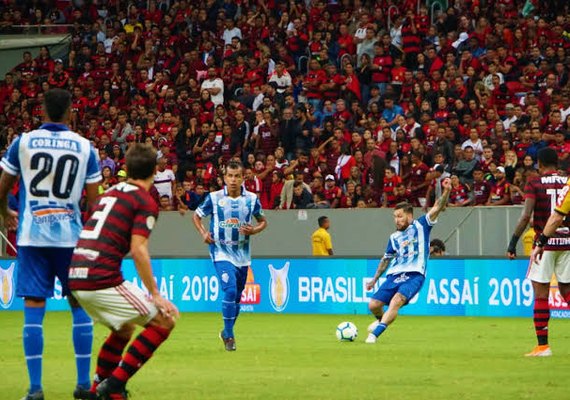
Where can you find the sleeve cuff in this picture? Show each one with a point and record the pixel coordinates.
(199, 213)
(9, 168)
(94, 178)
(429, 221)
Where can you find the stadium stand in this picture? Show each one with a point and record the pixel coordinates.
(316, 91)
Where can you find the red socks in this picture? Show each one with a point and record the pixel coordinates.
(541, 317)
(140, 351)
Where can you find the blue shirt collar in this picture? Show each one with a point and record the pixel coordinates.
(54, 127)
(226, 190)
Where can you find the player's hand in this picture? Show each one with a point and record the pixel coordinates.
(370, 285)
(11, 220)
(247, 230)
(536, 254)
(165, 307)
(208, 238)
(446, 184)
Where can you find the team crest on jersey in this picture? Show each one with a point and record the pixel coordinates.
(279, 287)
(231, 223)
(222, 202)
(7, 286)
(51, 212)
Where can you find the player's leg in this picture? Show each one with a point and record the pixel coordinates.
(540, 274)
(241, 279)
(227, 275)
(562, 272)
(111, 353)
(397, 302)
(376, 305)
(82, 326)
(34, 282)
(138, 353)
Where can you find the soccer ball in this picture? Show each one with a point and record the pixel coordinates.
(346, 332)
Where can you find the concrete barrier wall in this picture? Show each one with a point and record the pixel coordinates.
(477, 231)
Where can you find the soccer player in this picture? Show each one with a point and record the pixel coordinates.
(406, 254)
(54, 165)
(121, 221)
(541, 193)
(232, 210)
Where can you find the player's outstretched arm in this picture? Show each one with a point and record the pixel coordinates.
(382, 266)
(440, 203)
(521, 226)
(9, 217)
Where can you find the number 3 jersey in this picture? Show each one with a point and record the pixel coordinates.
(54, 165)
(122, 211)
(545, 189)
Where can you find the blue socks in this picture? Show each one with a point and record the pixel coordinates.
(34, 344)
(82, 343)
(379, 329)
(229, 314)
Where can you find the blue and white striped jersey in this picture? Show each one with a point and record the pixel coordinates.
(227, 216)
(54, 165)
(409, 249)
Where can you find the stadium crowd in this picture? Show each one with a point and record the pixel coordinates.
(309, 95)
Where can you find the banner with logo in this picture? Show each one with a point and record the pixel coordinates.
(462, 287)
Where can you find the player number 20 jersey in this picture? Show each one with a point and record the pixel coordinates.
(54, 165)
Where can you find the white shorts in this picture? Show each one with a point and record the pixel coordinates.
(552, 262)
(117, 306)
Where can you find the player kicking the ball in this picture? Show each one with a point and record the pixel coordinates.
(232, 210)
(406, 254)
(121, 221)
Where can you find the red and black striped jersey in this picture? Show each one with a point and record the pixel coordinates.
(123, 211)
(545, 189)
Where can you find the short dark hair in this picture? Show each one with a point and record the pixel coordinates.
(56, 104)
(141, 161)
(233, 164)
(547, 157)
(322, 220)
(407, 207)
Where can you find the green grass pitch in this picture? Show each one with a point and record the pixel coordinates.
(298, 357)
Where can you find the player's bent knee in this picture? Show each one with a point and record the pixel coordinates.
(126, 331)
(375, 306)
(399, 299)
(34, 302)
(163, 321)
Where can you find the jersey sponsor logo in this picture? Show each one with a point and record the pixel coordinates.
(55, 144)
(550, 179)
(279, 287)
(51, 213)
(89, 254)
(79, 273)
(7, 286)
(231, 223)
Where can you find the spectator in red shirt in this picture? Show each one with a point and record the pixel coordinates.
(500, 191)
